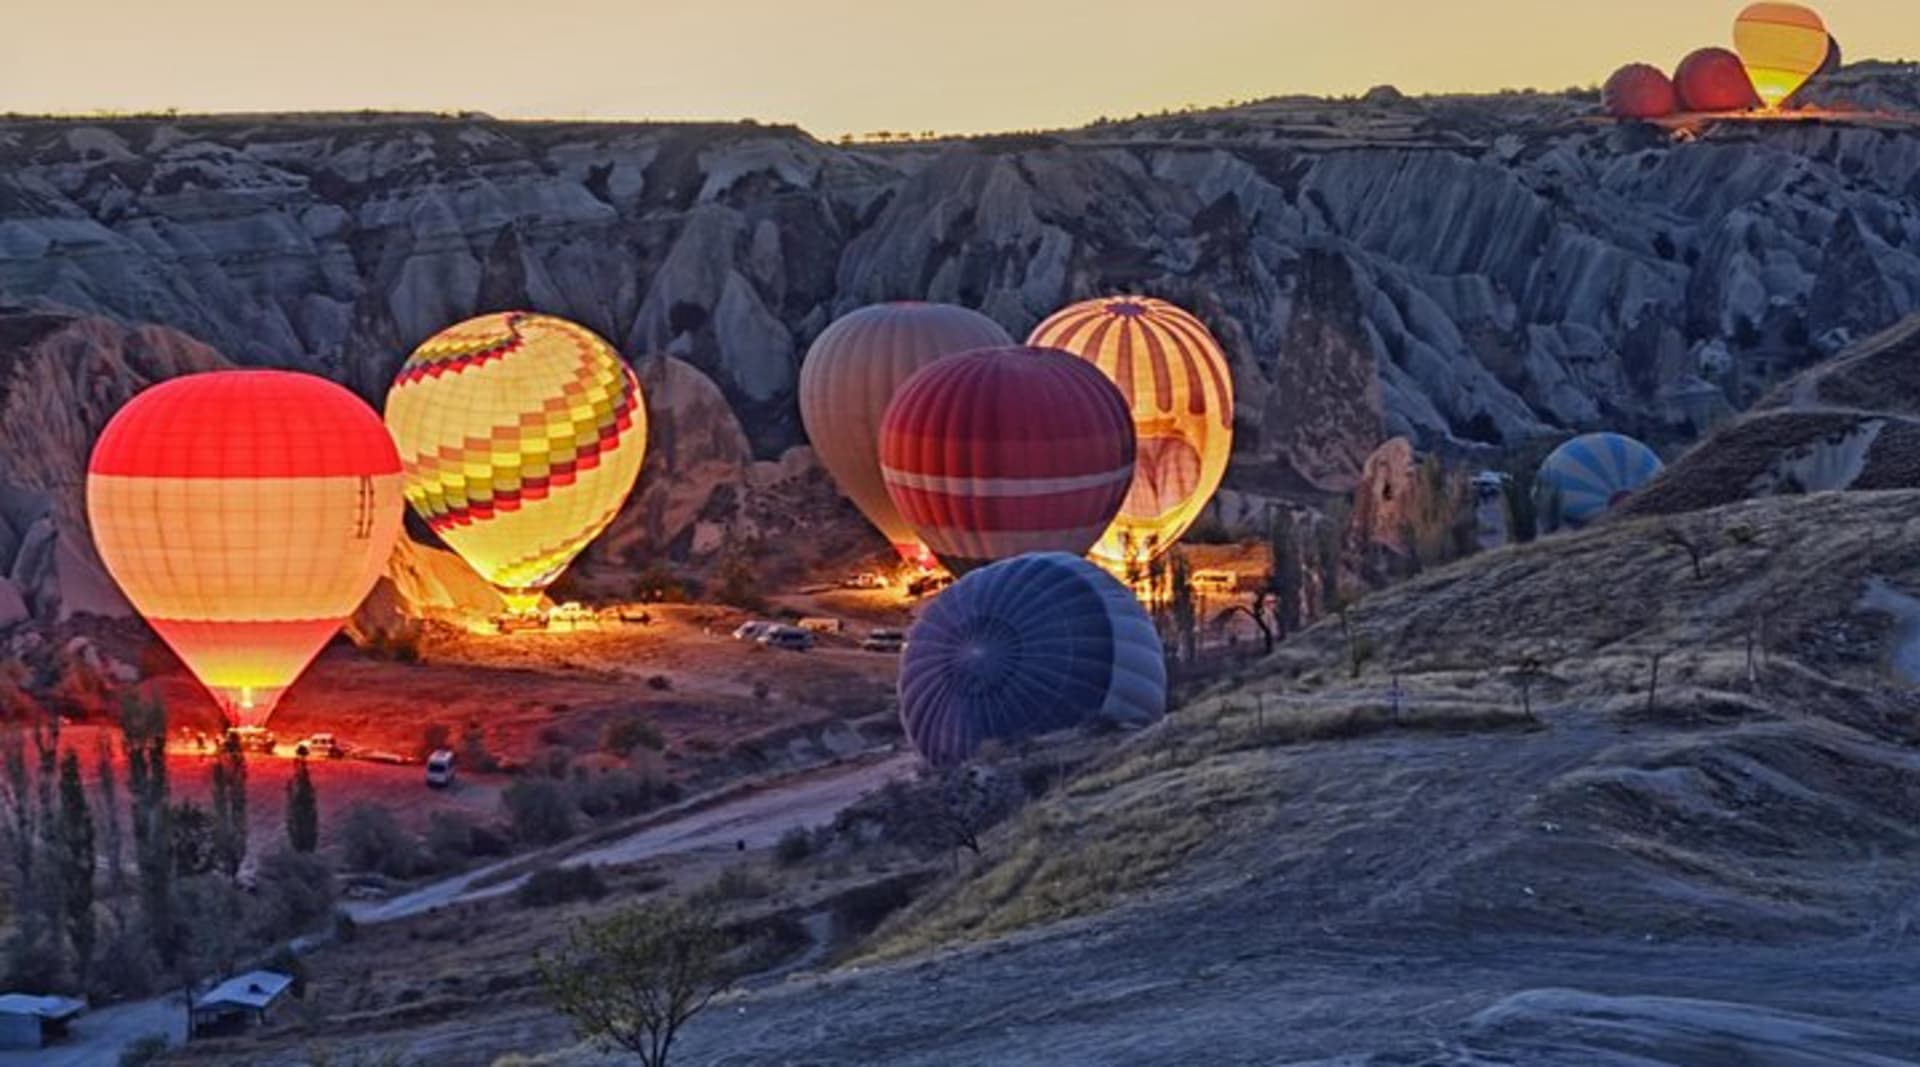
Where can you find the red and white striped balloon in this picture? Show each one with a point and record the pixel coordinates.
(998, 452)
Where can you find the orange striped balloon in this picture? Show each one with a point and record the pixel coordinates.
(521, 436)
(245, 514)
(1174, 376)
(1782, 46)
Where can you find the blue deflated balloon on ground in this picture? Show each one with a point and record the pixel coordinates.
(1025, 646)
(1588, 475)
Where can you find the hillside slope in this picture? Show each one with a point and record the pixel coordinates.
(1850, 423)
(1722, 872)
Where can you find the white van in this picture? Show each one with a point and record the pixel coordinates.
(440, 769)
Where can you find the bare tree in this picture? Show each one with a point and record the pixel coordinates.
(633, 979)
(1694, 547)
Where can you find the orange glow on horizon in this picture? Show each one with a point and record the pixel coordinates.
(847, 66)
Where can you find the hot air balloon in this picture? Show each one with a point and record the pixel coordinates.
(1714, 79)
(1638, 91)
(1000, 451)
(1026, 646)
(521, 435)
(1782, 46)
(849, 375)
(1174, 377)
(1584, 478)
(245, 514)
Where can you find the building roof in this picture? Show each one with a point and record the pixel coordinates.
(254, 989)
(55, 1008)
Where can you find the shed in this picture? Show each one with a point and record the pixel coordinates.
(28, 1021)
(239, 1002)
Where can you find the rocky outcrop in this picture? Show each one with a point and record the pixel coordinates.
(1323, 414)
(695, 451)
(1850, 424)
(1490, 269)
(61, 378)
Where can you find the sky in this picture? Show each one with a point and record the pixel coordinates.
(842, 66)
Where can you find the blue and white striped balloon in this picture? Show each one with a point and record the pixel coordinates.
(1588, 475)
(1025, 646)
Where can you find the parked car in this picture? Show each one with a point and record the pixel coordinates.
(253, 738)
(325, 746)
(866, 580)
(753, 630)
(509, 624)
(792, 638)
(821, 624)
(1216, 581)
(927, 585)
(440, 769)
(884, 641)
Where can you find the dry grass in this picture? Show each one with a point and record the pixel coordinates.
(1455, 639)
(1082, 854)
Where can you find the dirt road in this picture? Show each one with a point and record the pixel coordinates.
(757, 817)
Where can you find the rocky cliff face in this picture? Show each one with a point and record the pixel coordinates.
(61, 378)
(1454, 270)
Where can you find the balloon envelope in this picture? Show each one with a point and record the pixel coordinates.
(1639, 91)
(1179, 394)
(1028, 645)
(521, 436)
(1782, 46)
(1000, 451)
(851, 373)
(1587, 476)
(1714, 79)
(245, 514)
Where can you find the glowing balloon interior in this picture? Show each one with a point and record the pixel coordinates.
(245, 514)
(1174, 378)
(1782, 46)
(851, 373)
(521, 436)
(1029, 645)
(1000, 451)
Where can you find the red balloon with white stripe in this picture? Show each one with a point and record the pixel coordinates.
(998, 452)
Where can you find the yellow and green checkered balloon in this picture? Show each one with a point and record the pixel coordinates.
(520, 435)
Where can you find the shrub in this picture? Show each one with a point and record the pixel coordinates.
(614, 793)
(540, 810)
(145, 1050)
(453, 838)
(629, 731)
(737, 883)
(373, 841)
(295, 894)
(794, 845)
(554, 761)
(659, 682)
(473, 749)
(436, 736)
(859, 911)
(550, 886)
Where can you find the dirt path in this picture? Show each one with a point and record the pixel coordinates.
(758, 818)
